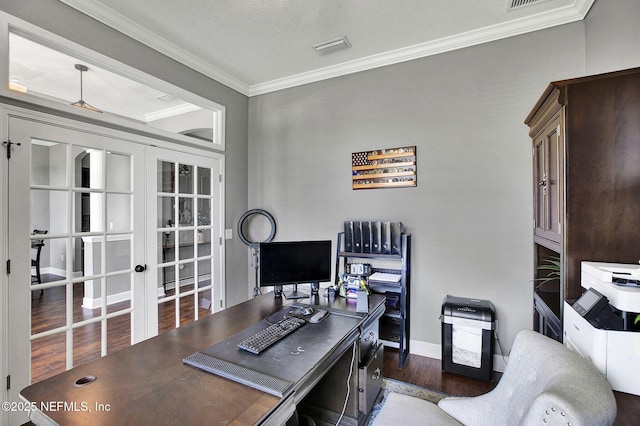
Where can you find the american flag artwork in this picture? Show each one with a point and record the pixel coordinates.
(360, 159)
(384, 168)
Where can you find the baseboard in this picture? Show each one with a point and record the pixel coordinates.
(57, 271)
(89, 303)
(432, 350)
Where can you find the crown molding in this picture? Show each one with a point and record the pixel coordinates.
(561, 16)
(171, 112)
(532, 23)
(107, 16)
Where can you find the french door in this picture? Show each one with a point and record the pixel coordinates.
(184, 235)
(111, 241)
(76, 232)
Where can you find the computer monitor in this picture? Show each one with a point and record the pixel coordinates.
(295, 262)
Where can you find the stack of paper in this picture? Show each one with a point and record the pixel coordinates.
(385, 277)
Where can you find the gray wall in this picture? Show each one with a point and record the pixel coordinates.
(471, 213)
(65, 21)
(612, 36)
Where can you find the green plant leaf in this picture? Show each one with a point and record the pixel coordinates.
(552, 268)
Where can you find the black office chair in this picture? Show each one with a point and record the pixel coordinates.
(35, 263)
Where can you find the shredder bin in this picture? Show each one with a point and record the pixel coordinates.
(467, 337)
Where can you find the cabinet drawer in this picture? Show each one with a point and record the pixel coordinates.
(367, 342)
(370, 380)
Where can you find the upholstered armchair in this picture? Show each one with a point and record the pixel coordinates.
(543, 383)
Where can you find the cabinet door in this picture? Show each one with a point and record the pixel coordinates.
(548, 159)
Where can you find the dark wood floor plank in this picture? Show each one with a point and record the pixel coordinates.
(48, 311)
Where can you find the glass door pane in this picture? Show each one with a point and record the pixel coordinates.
(188, 268)
(83, 238)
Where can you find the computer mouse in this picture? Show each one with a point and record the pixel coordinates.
(305, 311)
(318, 316)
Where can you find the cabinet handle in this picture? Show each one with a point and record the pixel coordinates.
(376, 374)
(543, 184)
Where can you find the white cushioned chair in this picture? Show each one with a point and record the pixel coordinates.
(544, 383)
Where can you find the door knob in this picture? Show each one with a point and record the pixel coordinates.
(140, 268)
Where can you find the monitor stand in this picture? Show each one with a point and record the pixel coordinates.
(295, 294)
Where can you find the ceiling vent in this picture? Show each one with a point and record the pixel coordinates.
(165, 98)
(332, 46)
(520, 3)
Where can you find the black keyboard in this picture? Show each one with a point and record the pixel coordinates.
(272, 334)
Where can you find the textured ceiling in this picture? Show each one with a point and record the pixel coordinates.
(256, 46)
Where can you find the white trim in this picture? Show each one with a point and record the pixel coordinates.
(46, 38)
(572, 13)
(123, 24)
(171, 285)
(434, 351)
(4, 281)
(171, 112)
(89, 303)
(430, 350)
(504, 30)
(96, 129)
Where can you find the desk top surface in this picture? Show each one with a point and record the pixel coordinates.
(148, 383)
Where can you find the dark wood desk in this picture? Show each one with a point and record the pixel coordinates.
(148, 384)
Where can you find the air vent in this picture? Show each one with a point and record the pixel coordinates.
(520, 3)
(165, 98)
(332, 46)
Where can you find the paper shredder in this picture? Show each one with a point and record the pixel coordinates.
(467, 337)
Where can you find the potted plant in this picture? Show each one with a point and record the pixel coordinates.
(551, 269)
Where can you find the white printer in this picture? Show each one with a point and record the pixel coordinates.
(615, 351)
(615, 281)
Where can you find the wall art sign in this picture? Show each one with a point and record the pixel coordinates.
(384, 168)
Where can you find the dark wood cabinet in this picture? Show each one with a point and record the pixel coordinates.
(586, 183)
(548, 163)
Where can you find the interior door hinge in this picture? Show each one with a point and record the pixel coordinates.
(9, 382)
(8, 144)
(220, 178)
(8, 266)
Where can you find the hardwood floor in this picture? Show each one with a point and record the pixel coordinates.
(48, 312)
(427, 372)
